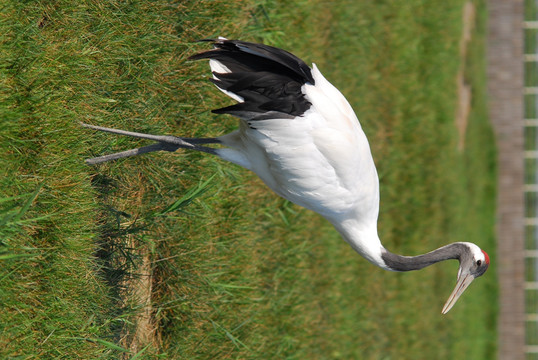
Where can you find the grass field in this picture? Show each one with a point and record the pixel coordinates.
(182, 256)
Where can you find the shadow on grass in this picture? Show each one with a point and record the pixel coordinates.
(117, 258)
(125, 262)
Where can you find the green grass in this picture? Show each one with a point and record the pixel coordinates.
(236, 272)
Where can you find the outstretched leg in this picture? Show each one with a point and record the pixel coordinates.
(164, 142)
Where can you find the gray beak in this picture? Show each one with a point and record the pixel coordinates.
(464, 280)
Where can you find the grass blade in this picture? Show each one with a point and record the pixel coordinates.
(105, 343)
(138, 354)
(27, 204)
(16, 256)
(188, 198)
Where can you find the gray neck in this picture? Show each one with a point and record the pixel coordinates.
(408, 263)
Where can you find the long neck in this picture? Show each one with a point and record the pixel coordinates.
(365, 240)
(408, 263)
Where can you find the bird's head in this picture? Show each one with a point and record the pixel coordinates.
(473, 263)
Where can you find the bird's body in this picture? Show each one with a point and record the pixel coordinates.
(299, 134)
(315, 155)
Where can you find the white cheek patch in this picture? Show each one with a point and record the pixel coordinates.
(478, 254)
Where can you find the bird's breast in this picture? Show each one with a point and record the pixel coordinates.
(313, 165)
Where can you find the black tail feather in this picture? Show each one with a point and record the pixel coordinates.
(267, 78)
(256, 57)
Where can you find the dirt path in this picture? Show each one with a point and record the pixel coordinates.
(464, 89)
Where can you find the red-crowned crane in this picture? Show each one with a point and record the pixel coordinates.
(299, 134)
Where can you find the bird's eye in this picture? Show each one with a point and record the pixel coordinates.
(479, 262)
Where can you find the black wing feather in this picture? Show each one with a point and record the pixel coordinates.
(269, 79)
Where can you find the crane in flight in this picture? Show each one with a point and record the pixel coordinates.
(299, 134)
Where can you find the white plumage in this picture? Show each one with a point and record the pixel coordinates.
(299, 134)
